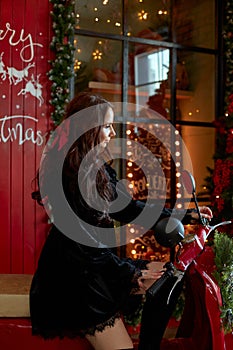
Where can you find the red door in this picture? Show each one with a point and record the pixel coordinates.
(25, 35)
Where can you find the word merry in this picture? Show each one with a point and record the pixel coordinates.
(18, 132)
(28, 44)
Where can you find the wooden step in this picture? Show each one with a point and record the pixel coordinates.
(14, 295)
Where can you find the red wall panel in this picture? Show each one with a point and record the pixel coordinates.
(25, 35)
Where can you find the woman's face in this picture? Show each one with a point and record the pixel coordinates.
(107, 130)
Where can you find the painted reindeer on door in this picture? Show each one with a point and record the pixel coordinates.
(15, 75)
(34, 88)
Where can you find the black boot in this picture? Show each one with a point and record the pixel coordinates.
(156, 314)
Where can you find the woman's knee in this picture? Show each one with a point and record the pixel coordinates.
(113, 337)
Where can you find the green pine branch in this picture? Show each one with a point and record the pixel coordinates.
(62, 65)
(223, 248)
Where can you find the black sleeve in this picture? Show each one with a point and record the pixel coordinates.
(133, 208)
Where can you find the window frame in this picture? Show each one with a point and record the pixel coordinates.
(174, 48)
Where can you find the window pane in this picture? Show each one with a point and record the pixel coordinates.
(98, 66)
(149, 19)
(200, 142)
(195, 23)
(195, 82)
(150, 69)
(99, 16)
(197, 102)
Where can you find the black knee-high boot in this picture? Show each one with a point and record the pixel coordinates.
(156, 314)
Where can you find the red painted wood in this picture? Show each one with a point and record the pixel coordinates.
(5, 246)
(26, 33)
(16, 333)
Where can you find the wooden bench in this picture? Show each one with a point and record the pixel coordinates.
(15, 325)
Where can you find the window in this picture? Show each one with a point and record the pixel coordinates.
(161, 56)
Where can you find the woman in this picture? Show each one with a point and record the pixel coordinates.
(81, 286)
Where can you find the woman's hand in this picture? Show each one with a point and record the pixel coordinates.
(154, 271)
(205, 212)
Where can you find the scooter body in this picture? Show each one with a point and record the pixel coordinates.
(193, 264)
(200, 326)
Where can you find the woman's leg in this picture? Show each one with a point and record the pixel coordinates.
(115, 337)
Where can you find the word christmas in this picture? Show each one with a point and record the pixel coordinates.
(19, 132)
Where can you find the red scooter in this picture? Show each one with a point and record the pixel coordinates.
(200, 327)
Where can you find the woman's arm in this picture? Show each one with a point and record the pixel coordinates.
(125, 209)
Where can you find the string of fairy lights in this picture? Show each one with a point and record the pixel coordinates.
(140, 185)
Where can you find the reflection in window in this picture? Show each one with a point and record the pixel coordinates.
(151, 69)
(96, 59)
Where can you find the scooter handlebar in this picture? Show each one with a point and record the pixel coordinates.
(155, 287)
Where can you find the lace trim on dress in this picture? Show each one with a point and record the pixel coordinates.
(100, 327)
(73, 333)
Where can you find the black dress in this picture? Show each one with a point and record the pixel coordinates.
(78, 289)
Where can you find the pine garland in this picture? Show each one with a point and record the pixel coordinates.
(62, 66)
(223, 247)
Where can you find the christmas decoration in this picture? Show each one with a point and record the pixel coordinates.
(223, 248)
(62, 66)
(221, 183)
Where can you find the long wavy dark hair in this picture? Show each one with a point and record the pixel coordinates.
(93, 182)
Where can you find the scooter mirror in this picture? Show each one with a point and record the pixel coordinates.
(169, 232)
(188, 181)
